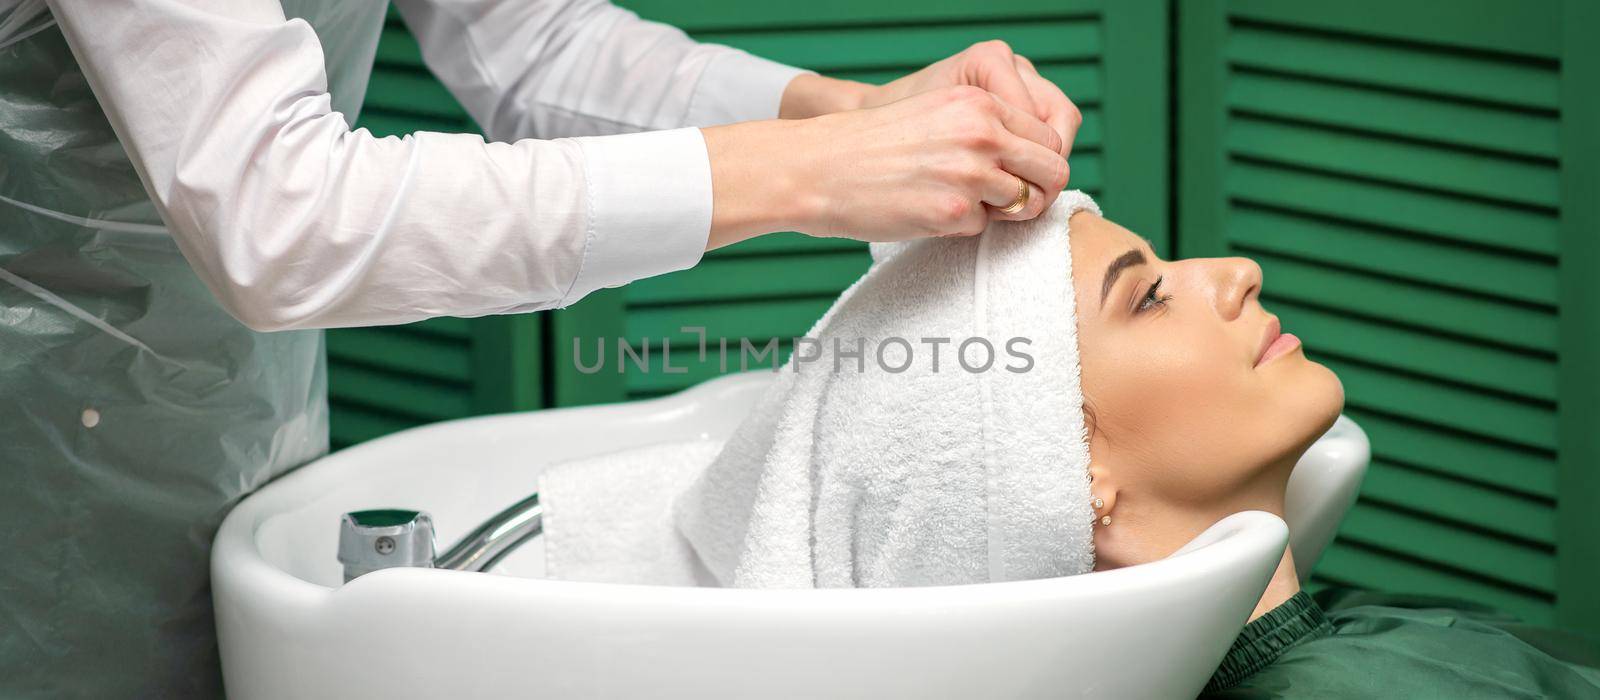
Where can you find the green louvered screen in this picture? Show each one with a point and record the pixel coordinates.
(385, 379)
(1110, 57)
(1394, 166)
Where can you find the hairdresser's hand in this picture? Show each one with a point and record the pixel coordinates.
(922, 166)
(990, 65)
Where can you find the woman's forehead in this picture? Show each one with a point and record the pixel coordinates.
(1097, 236)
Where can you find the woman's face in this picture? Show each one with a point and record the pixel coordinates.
(1196, 404)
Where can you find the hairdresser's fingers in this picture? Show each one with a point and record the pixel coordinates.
(1027, 126)
(1036, 160)
(1041, 166)
(1056, 110)
(991, 66)
(972, 216)
(1053, 105)
(1000, 190)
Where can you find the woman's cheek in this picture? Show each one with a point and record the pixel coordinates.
(1145, 384)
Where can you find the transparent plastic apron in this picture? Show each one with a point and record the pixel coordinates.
(134, 411)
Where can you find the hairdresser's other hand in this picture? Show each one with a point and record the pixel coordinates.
(993, 66)
(990, 65)
(921, 166)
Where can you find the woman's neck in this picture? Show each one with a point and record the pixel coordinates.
(1149, 532)
(1285, 581)
(1284, 584)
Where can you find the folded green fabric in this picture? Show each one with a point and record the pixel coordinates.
(1356, 643)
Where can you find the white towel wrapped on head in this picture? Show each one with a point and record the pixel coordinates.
(934, 474)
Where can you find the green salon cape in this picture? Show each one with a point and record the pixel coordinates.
(1350, 643)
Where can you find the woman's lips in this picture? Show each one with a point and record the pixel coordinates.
(1275, 343)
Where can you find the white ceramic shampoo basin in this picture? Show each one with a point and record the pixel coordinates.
(289, 629)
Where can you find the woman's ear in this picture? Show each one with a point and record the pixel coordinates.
(1102, 493)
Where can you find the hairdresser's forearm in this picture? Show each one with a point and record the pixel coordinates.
(756, 181)
(755, 166)
(810, 95)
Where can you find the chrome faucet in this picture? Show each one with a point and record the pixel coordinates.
(381, 539)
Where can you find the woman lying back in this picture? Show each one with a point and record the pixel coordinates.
(1051, 398)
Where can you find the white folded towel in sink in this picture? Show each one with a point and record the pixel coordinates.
(608, 518)
(933, 475)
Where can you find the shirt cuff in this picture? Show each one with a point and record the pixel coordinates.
(649, 201)
(738, 87)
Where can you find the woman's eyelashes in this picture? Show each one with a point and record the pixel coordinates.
(1153, 297)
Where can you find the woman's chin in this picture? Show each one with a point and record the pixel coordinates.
(1325, 396)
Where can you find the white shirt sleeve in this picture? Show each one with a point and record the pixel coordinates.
(295, 221)
(548, 68)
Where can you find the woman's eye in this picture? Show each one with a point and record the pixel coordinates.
(1153, 298)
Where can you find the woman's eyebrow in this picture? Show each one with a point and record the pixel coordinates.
(1114, 270)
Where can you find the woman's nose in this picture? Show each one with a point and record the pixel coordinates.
(1238, 281)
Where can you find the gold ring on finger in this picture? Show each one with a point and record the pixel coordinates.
(1021, 200)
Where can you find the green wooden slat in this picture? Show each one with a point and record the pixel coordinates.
(1400, 162)
(1087, 171)
(1420, 352)
(1578, 520)
(757, 320)
(788, 242)
(573, 333)
(445, 326)
(508, 355)
(398, 350)
(1202, 159)
(1091, 133)
(1405, 67)
(1081, 82)
(417, 93)
(1138, 118)
(723, 278)
(1443, 405)
(1494, 464)
(1430, 119)
(706, 15)
(1461, 501)
(912, 47)
(1485, 556)
(400, 394)
(350, 424)
(396, 47)
(1530, 27)
(1422, 306)
(1442, 216)
(1356, 563)
(1402, 256)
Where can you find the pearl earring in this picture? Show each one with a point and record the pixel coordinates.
(1106, 520)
